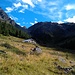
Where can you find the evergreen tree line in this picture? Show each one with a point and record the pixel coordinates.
(7, 29)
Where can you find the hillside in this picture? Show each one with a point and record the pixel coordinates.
(5, 18)
(54, 34)
(10, 27)
(15, 59)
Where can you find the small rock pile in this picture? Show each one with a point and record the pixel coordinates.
(36, 50)
(64, 69)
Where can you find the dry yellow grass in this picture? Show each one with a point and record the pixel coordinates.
(12, 63)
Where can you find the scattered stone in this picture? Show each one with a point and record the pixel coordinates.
(29, 41)
(36, 50)
(66, 70)
(62, 60)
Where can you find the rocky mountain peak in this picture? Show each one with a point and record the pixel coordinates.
(5, 18)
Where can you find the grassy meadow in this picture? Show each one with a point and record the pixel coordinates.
(15, 59)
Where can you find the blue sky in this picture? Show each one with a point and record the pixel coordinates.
(28, 12)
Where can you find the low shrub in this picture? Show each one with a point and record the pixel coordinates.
(7, 45)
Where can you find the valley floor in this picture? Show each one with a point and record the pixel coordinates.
(15, 59)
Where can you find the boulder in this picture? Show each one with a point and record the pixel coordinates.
(36, 50)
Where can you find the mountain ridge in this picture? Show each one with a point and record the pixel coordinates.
(54, 34)
(5, 18)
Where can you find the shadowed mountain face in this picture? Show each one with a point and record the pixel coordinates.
(5, 18)
(54, 34)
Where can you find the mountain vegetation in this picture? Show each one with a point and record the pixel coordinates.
(7, 29)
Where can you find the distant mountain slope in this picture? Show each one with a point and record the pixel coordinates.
(9, 26)
(5, 18)
(8, 29)
(53, 34)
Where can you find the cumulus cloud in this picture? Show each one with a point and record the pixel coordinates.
(55, 10)
(23, 6)
(50, 9)
(43, 7)
(40, 0)
(29, 2)
(70, 19)
(9, 9)
(17, 5)
(23, 9)
(70, 6)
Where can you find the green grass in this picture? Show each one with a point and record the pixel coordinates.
(15, 59)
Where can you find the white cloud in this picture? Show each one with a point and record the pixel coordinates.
(35, 19)
(22, 26)
(50, 9)
(60, 14)
(32, 23)
(70, 19)
(29, 2)
(46, 8)
(53, 3)
(39, 0)
(18, 23)
(23, 9)
(25, 6)
(60, 22)
(70, 6)
(9, 9)
(17, 5)
(54, 10)
(35, 22)
(13, 18)
(36, 2)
